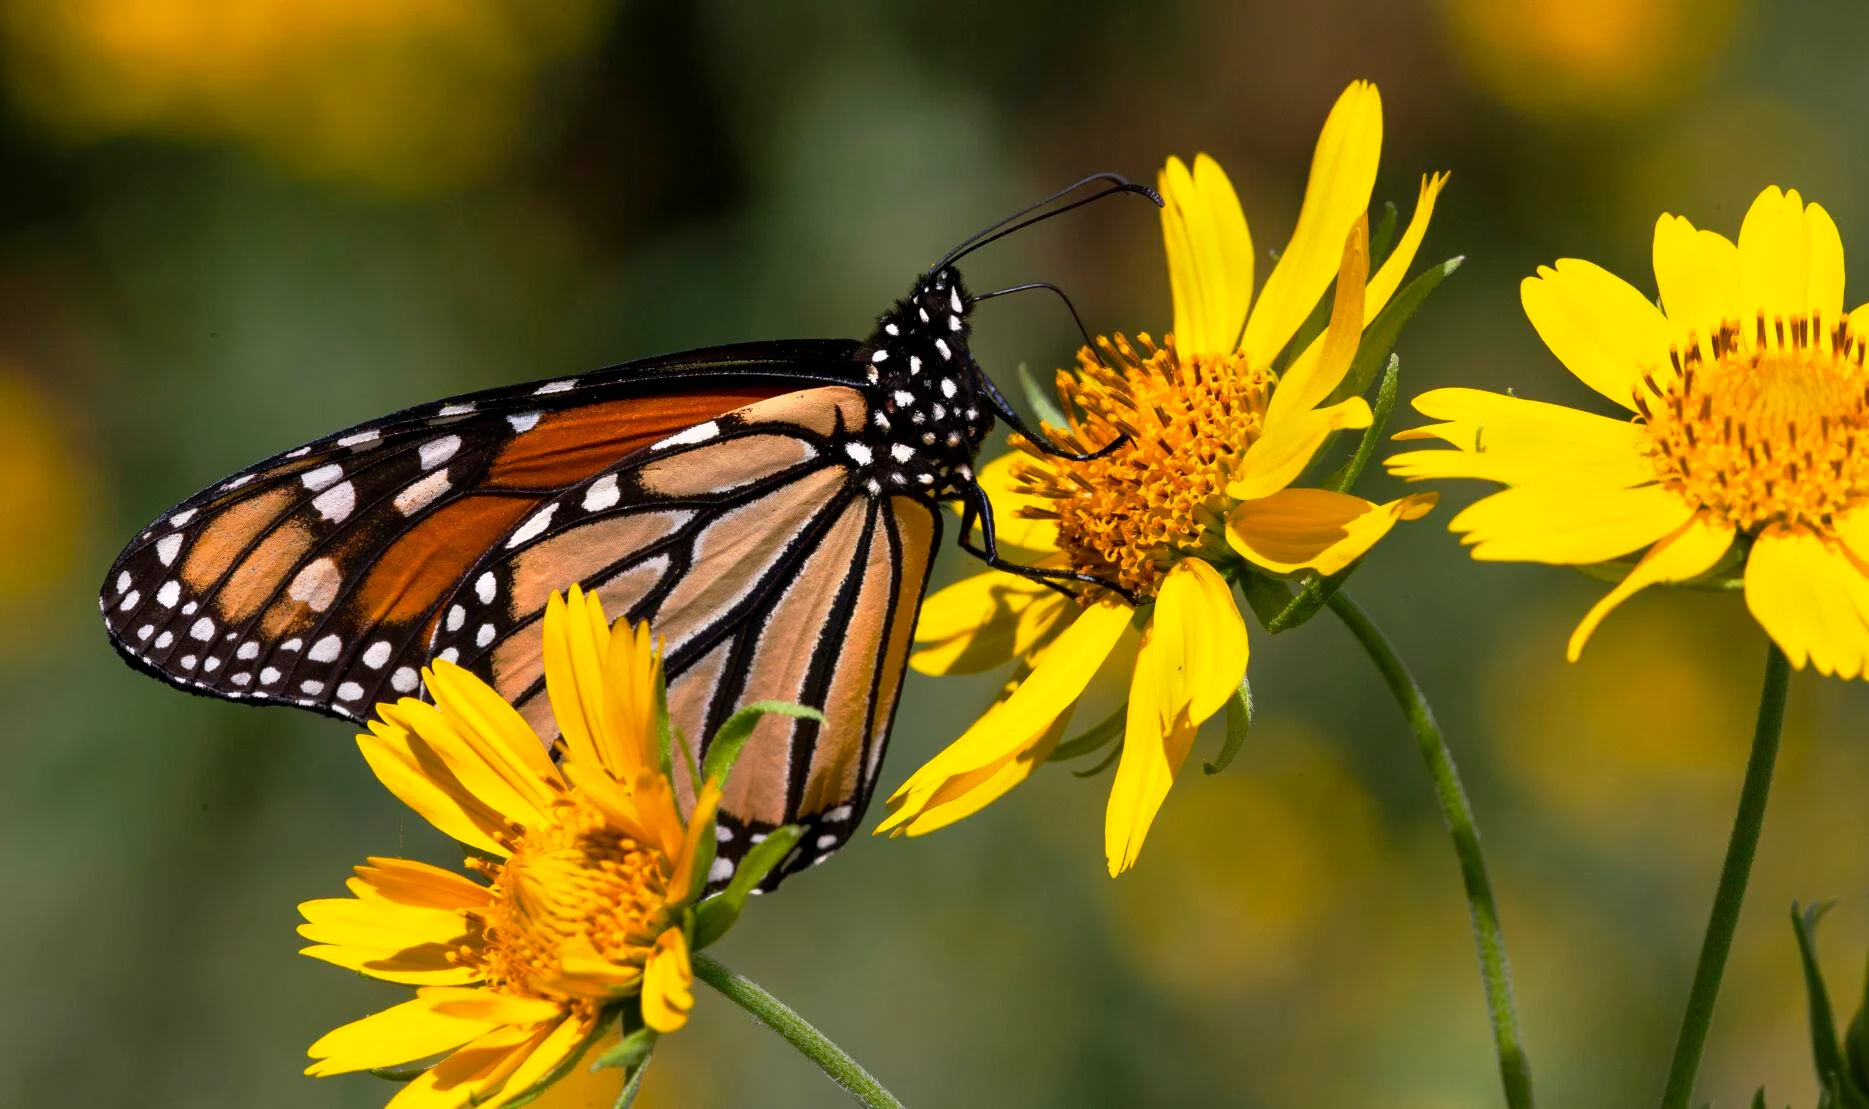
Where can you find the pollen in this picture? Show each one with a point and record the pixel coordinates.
(573, 884)
(1161, 494)
(1766, 430)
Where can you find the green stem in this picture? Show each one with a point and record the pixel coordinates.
(1495, 968)
(813, 1044)
(1731, 894)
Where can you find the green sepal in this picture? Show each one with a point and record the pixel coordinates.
(664, 730)
(534, 1091)
(1386, 394)
(1239, 722)
(1100, 733)
(408, 1072)
(630, 1052)
(728, 742)
(1267, 597)
(1380, 335)
(1312, 596)
(1839, 1078)
(713, 917)
(1856, 1042)
(1103, 764)
(1044, 403)
(1382, 236)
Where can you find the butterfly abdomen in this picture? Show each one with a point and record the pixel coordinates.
(928, 417)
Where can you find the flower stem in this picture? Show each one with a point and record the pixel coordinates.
(1731, 894)
(1495, 968)
(813, 1044)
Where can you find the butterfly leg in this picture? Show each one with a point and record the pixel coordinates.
(975, 506)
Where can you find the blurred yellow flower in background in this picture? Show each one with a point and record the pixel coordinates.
(591, 872)
(401, 97)
(43, 479)
(1596, 57)
(1200, 486)
(1749, 412)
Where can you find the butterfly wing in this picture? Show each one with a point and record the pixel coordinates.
(317, 578)
(770, 568)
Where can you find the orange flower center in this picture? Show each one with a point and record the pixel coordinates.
(1127, 516)
(573, 886)
(1768, 431)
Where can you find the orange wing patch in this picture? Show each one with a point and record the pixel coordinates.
(566, 447)
(427, 561)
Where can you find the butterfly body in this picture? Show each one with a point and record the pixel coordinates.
(769, 507)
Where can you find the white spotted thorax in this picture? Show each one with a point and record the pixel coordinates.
(929, 416)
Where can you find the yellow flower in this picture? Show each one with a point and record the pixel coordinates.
(1199, 490)
(590, 873)
(1747, 412)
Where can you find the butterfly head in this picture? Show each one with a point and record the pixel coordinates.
(928, 412)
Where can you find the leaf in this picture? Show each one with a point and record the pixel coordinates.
(725, 749)
(1380, 336)
(713, 917)
(664, 731)
(1266, 596)
(1239, 722)
(1824, 1049)
(1386, 395)
(1382, 236)
(1856, 1044)
(1100, 733)
(1043, 401)
(629, 1052)
(408, 1072)
(1103, 764)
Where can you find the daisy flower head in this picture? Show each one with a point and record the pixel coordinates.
(589, 898)
(1217, 421)
(1739, 449)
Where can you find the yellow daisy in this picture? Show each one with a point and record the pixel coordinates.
(1743, 437)
(1198, 493)
(590, 874)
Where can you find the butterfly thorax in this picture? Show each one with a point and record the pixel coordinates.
(928, 415)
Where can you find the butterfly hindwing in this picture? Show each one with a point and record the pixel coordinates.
(770, 569)
(316, 578)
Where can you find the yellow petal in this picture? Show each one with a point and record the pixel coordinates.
(1604, 332)
(418, 884)
(492, 1006)
(1859, 320)
(427, 965)
(1523, 442)
(1790, 258)
(575, 647)
(544, 1054)
(632, 675)
(1156, 741)
(700, 830)
(984, 621)
(1016, 723)
(962, 795)
(1681, 556)
(1395, 267)
(1698, 275)
(1343, 171)
(419, 778)
(400, 1034)
(1810, 595)
(496, 732)
(517, 796)
(347, 920)
(1277, 458)
(1011, 527)
(1315, 529)
(1568, 526)
(1200, 641)
(668, 983)
(1210, 259)
(1318, 371)
(472, 1075)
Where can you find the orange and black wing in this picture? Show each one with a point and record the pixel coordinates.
(770, 568)
(319, 577)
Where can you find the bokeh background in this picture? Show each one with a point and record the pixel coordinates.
(228, 226)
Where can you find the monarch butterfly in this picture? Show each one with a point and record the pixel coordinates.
(769, 506)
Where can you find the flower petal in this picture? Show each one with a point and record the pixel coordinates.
(1318, 370)
(496, 732)
(1790, 257)
(424, 965)
(418, 884)
(1007, 496)
(576, 641)
(420, 779)
(668, 983)
(984, 621)
(962, 795)
(472, 1075)
(632, 678)
(1200, 641)
(1523, 442)
(1014, 724)
(1277, 458)
(1315, 529)
(1698, 275)
(1343, 172)
(475, 762)
(1394, 268)
(399, 1034)
(1810, 595)
(1568, 526)
(1210, 259)
(1604, 332)
(1681, 556)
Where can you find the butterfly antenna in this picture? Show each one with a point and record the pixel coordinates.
(1018, 220)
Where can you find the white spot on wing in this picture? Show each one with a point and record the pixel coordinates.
(859, 453)
(485, 587)
(720, 871)
(129, 600)
(456, 617)
(322, 476)
(555, 387)
(168, 547)
(377, 654)
(180, 519)
(359, 438)
(534, 527)
(524, 422)
(349, 691)
(484, 636)
(269, 675)
(163, 640)
(699, 433)
(454, 410)
(452, 654)
(421, 494)
(248, 651)
(316, 586)
(403, 680)
(335, 504)
(326, 649)
(827, 840)
(203, 629)
(436, 451)
(313, 688)
(839, 814)
(602, 494)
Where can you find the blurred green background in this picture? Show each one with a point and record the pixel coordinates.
(228, 226)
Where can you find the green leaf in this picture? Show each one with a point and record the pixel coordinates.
(664, 731)
(408, 1072)
(725, 749)
(630, 1052)
(1382, 236)
(1386, 395)
(634, 1087)
(1100, 733)
(1103, 764)
(713, 917)
(1266, 596)
(1043, 401)
(1824, 1049)
(1239, 722)
(1856, 1044)
(1380, 335)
